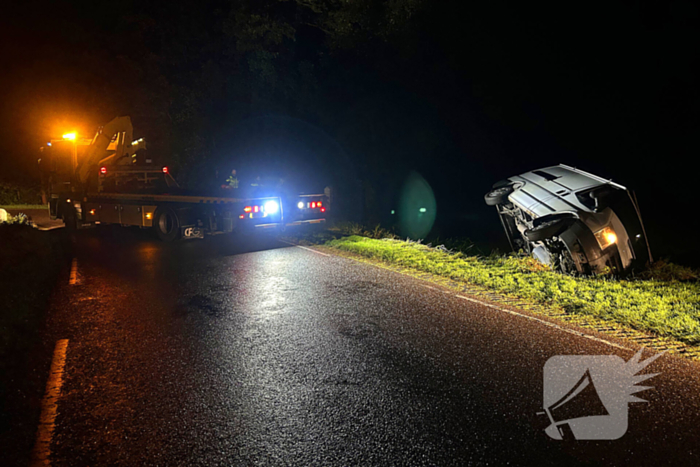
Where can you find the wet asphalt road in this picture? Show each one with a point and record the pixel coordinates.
(249, 351)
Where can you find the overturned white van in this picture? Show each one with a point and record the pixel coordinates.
(572, 220)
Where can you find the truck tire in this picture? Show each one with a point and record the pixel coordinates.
(547, 229)
(498, 195)
(167, 224)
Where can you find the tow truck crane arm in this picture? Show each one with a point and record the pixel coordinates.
(97, 152)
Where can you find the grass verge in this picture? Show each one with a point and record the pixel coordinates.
(668, 308)
(24, 206)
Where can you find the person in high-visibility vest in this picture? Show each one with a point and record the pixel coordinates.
(231, 181)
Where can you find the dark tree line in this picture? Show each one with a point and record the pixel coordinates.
(465, 93)
(189, 72)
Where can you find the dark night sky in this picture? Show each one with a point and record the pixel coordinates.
(465, 95)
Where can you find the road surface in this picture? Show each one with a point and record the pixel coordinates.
(255, 352)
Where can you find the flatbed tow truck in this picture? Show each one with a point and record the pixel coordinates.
(107, 186)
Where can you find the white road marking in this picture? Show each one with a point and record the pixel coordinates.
(49, 405)
(542, 321)
(304, 248)
(522, 315)
(73, 272)
(53, 227)
(311, 249)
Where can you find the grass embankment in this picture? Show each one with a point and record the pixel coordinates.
(10, 207)
(666, 307)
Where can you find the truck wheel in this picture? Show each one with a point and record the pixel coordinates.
(167, 224)
(498, 195)
(547, 229)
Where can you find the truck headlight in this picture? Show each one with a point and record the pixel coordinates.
(271, 207)
(606, 237)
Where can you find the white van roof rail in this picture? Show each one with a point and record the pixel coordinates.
(595, 177)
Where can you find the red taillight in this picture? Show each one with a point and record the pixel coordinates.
(103, 170)
(241, 216)
(323, 209)
(247, 209)
(256, 208)
(313, 204)
(166, 170)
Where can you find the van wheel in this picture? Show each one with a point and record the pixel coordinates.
(167, 224)
(498, 195)
(547, 229)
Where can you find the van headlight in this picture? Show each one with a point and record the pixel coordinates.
(606, 237)
(271, 207)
